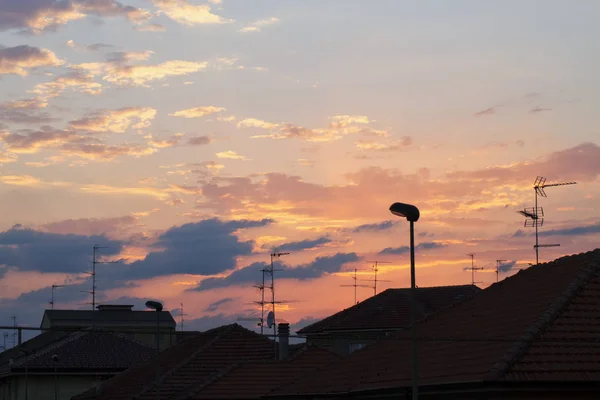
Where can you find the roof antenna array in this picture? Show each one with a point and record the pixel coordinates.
(93, 274)
(355, 285)
(181, 315)
(498, 265)
(52, 300)
(14, 335)
(534, 216)
(271, 271)
(375, 270)
(473, 268)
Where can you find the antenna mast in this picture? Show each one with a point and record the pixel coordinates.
(53, 288)
(355, 285)
(273, 257)
(375, 270)
(473, 268)
(534, 216)
(181, 314)
(14, 335)
(93, 273)
(498, 268)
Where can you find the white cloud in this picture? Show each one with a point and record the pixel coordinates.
(185, 13)
(197, 112)
(257, 26)
(232, 155)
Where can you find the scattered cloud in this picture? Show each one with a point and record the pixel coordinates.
(406, 249)
(199, 140)
(390, 146)
(116, 120)
(487, 111)
(306, 162)
(197, 112)
(257, 26)
(256, 123)
(232, 155)
(37, 16)
(183, 12)
(250, 274)
(90, 226)
(539, 110)
(307, 244)
(31, 250)
(140, 75)
(151, 28)
(158, 193)
(77, 80)
(375, 227)
(574, 231)
(215, 306)
(20, 59)
(122, 57)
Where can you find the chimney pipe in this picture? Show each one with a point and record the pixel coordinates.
(284, 340)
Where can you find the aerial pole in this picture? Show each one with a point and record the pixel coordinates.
(534, 217)
(52, 300)
(498, 269)
(93, 273)
(181, 315)
(355, 285)
(375, 279)
(273, 257)
(473, 268)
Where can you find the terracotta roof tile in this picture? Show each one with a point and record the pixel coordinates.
(390, 309)
(527, 327)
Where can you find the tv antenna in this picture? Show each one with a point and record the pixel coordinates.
(181, 315)
(5, 336)
(274, 256)
(14, 335)
(271, 271)
(93, 273)
(534, 216)
(52, 300)
(498, 264)
(355, 285)
(375, 270)
(473, 268)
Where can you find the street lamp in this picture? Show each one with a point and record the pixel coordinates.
(412, 214)
(157, 306)
(26, 353)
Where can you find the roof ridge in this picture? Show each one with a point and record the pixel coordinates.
(518, 348)
(53, 345)
(209, 381)
(171, 371)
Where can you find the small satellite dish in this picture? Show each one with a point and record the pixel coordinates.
(270, 319)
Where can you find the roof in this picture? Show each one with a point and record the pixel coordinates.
(540, 325)
(188, 366)
(84, 318)
(255, 380)
(390, 309)
(86, 351)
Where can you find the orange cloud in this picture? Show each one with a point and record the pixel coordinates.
(183, 12)
(257, 26)
(151, 28)
(256, 123)
(77, 80)
(197, 112)
(19, 59)
(231, 155)
(28, 180)
(116, 120)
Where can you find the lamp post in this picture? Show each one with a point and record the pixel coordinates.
(26, 353)
(412, 214)
(155, 305)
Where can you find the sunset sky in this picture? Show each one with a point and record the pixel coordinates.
(192, 138)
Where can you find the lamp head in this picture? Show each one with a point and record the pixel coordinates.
(154, 305)
(408, 211)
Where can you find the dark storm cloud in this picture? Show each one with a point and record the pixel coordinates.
(406, 249)
(379, 226)
(304, 244)
(251, 274)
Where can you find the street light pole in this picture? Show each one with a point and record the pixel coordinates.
(412, 214)
(158, 307)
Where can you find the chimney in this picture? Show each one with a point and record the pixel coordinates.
(284, 340)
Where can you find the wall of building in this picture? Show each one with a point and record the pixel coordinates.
(41, 387)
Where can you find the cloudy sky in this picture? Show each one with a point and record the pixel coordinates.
(192, 138)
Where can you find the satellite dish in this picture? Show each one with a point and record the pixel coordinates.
(270, 319)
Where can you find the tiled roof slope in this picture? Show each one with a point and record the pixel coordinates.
(531, 326)
(255, 380)
(390, 309)
(187, 366)
(86, 351)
